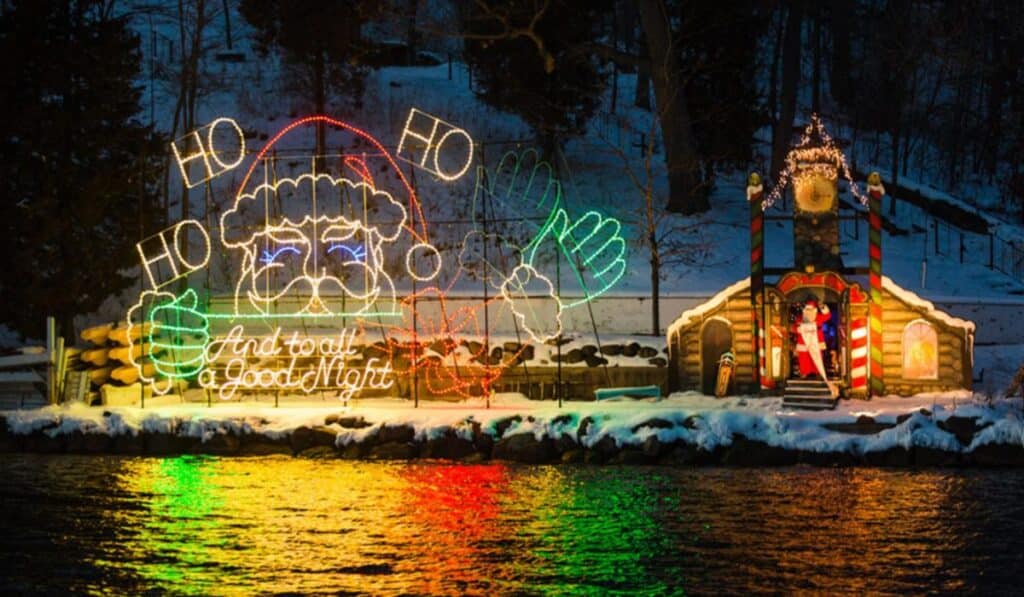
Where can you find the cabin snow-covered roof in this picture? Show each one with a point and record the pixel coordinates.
(698, 312)
(925, 305)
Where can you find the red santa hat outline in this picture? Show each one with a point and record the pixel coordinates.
(352, 162)
(411, 219)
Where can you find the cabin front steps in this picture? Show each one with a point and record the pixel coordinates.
(808, 394)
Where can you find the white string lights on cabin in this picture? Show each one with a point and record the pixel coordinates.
(816, 154)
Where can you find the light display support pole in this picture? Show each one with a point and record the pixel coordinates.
(142, 278)
(415, 320)
(558, 340)
(875, 194)
(209, 226)
(51, 360)
(487, 311)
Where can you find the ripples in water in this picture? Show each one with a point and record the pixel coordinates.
(203, 525)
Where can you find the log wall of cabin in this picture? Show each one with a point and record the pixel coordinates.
(686, 348)
(953, 351)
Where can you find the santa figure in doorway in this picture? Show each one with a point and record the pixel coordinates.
(810, 339)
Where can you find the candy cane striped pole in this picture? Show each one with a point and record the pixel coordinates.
(858, 340)
(875, 193)
(755, 197)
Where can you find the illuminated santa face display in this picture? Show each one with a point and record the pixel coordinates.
(331, 263)
(322, 247)
(311, 245)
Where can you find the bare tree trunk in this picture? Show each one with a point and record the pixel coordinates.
(773, 77)
(193, 75)
(655, 287)
(410, 31)
(227, 25)
(686, 192)
(783, 133)
(179, 104)
(841, 15)
(652, 235)
(999, 74)
(894, 138)
(635, 44)
(615, 64)
(816, 63)
(642, 97)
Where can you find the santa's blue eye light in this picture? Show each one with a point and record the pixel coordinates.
(267, 258)
(357, 253)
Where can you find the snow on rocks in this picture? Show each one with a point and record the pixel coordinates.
(687, 428)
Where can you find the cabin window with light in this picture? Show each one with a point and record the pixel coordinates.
(920, 351)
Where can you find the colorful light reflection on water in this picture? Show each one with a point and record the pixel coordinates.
(202, 525)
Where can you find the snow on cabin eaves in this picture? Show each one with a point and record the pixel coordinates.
(709, 305)
(927, 306)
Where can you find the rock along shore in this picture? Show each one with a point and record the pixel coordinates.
(914, 439)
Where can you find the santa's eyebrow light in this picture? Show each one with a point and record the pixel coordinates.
(358, 253)
(268, 257)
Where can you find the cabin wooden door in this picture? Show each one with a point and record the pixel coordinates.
(715, 339)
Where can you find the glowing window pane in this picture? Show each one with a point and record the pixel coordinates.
(920, 351)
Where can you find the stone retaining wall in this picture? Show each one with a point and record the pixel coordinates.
(352, 437)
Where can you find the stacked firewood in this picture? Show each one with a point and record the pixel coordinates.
(109, 359)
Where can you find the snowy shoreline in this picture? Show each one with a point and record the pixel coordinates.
(685, 429)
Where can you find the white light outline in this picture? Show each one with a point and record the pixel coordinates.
(515, 279)
(494, 275)
(213, 150)
(434, 148)
(332, 362)
(412, 270)
(140, 365)
(378, 281)
(175, 230)
(469, 156)
(205, 152)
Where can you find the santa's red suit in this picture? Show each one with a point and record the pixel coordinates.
(811, 317)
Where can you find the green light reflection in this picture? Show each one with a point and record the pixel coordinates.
(601, 535)
(178, 532)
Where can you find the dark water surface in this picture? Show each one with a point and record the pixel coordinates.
(205, 525)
